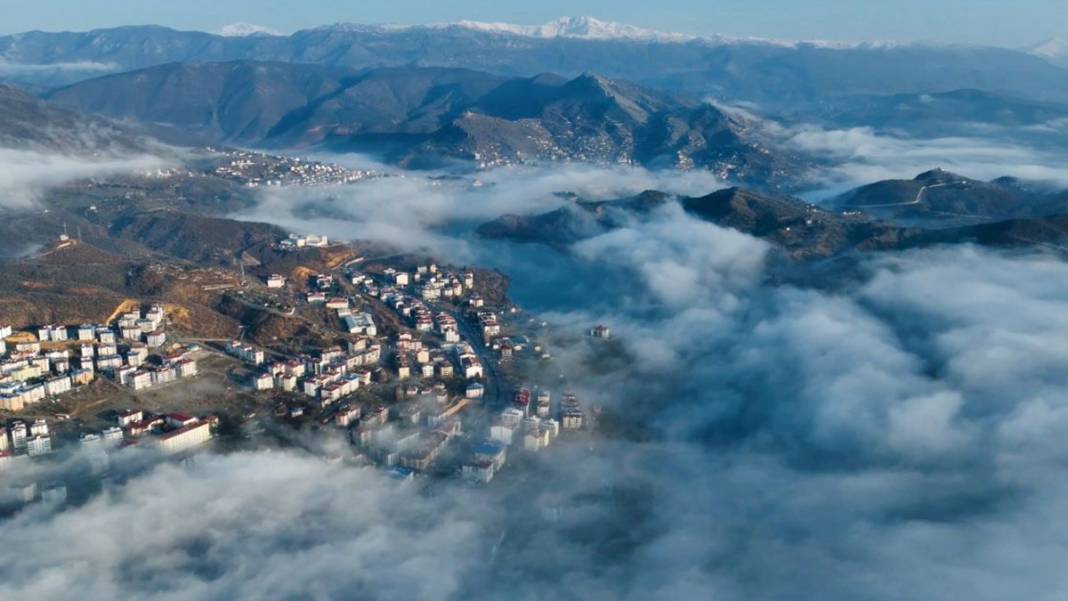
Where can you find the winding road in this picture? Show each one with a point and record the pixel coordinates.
(914, 201)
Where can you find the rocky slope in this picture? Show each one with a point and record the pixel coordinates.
(427, 117)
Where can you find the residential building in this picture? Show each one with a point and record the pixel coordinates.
(185, 437)
(38, 445)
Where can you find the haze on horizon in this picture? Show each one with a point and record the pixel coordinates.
(1012, 25)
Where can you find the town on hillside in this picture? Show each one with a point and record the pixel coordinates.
(422, 370)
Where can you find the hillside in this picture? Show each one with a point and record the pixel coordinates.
(427, 117)
(940, 195)
(803, 231)
(233, 101)
(572, 222)
(30, 123)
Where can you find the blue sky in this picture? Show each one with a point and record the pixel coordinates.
(995, 22)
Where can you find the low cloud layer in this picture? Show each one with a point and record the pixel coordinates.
(860, 155)
(26, 174)
(416, 211)
(246, 526)
(89, 68)
(892, 432)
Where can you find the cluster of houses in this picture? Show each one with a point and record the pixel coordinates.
(256, 170)
(322, 284)
(129, 364)
(62, 358)
(170, 433)
(29, 373)
(426, 283)
(411, 435)
(176, 364)
(410, 308)
(432, 284)
(414, 359)
(326, 378)
(526, 419)
(418, 433)
(295, 241)
(529, 424)
(21, 438)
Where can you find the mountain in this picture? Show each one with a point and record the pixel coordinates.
(573, 221)
(583, 28)
(279, 104)
(592, 118)
(233, 102)
(427, 117)
(384, 102)
(803, 231)
(777, 75)
(30, 123)
(942, 196)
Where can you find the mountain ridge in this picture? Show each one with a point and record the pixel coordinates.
(424, 116)
(776, 74)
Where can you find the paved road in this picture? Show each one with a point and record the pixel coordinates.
(492, 398)
(914, 201)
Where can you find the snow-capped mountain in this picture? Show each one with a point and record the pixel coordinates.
(586, 28)
(583, 28)
(772, 74)
(241, 30)
(1054, 50)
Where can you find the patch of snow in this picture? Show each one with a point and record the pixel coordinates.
(1054, 49)
(243, 30)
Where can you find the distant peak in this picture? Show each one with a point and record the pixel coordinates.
(938, 174)
(585, 28)
(1054, 48)
(244, 30)
(593, 79)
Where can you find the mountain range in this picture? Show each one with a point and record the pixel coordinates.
(426, 117)
(776, 75)
(797, 229)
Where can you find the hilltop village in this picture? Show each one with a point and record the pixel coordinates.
(410, 362)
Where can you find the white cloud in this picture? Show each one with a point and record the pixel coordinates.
(412, 210)
(859, 156)
(26, 174)
(16, 69)
(246, 526)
